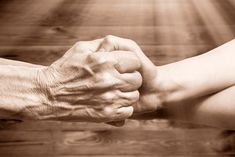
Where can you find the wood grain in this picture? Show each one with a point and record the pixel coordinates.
(109, 13)
(148, 35)
(109, 142)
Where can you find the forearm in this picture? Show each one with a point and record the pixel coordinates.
(200, 89)
(216, 110)
(4, 61)
(20, 93)
(198, 76)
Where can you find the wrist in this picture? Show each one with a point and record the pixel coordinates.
(167, 90)
(20, 94)
(44, 83)
(170, 88)
(38, 104)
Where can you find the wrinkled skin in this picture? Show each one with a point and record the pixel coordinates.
(88, 86)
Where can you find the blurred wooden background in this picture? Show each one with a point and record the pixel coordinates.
(40, 31)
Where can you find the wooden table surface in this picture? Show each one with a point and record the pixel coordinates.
(40, 31)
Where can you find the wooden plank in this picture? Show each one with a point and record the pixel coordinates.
(111, 142)
(162, 35)
(109, 13)
(125, 142)
(154, 124)
(120, 142)
(27, 143)
(13, 137)
(29, 150)
(76, 126)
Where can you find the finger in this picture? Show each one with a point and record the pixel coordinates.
(87, 46)
(121, 114)
(117, 123)
(123, 61)
(124, 113)
(107, 45)
(126, 61)
(130, 97)
(94, 45)
(84, 47)
(126, 82)
(112, 43)
(129, 81)
(140, 107)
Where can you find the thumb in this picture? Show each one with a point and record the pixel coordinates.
(108, 44)
(113, 43)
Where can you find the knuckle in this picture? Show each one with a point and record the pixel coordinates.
(108, 96)
(80, 46)
(138, 80)
(108, 112)
(136, 95)
(106, 77)
(94, 58)
(120, 68)
(109, 38)
(109, 79)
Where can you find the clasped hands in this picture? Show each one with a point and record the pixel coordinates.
(103, 80)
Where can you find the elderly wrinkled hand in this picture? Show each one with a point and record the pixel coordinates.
(85, 85)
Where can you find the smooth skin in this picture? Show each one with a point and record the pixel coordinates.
(200, 89)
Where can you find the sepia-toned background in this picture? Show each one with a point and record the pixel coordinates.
(40, 31)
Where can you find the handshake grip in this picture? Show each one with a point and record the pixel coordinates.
(95, 87)
(111, 79)
(103, 80)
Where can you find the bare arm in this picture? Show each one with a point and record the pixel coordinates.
(15, 109)
(216, 110)
(19, 90)
(201, 89)
(198, 76)
(198, 89)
